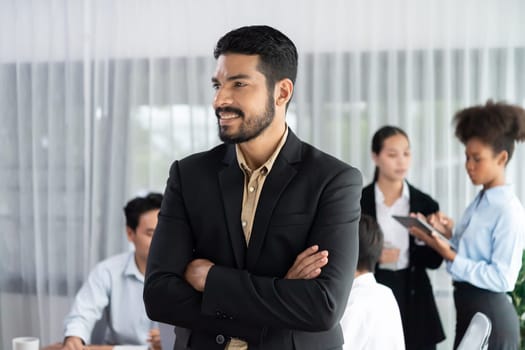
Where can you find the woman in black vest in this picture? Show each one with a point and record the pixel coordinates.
(404, 259)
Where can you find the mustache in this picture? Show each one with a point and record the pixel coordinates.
(228, 110)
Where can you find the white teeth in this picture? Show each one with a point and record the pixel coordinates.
(228, 116)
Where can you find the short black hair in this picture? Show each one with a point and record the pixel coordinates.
(140, 205)
(277, 53)
(370, 243)
(498, 125)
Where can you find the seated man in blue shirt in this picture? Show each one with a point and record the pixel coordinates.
(115, 287)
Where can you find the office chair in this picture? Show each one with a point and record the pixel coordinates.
(477, 335)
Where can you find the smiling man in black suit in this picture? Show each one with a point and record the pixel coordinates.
(240, 258)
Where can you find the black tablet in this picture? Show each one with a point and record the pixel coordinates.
(411, 221)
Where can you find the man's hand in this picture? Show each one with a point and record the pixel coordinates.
(308, 264)
(197, 272)
(73, 343)
(154, 339)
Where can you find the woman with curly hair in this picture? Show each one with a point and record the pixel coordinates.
(489, 238)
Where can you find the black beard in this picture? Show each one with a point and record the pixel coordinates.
(247, 132)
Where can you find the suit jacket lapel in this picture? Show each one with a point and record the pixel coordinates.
(231, 181)
(281, 174)
(413, 207)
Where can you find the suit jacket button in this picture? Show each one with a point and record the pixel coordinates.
(219, 339)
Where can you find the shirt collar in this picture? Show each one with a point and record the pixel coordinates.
(495, 194)
(267, 166)
(131, 269)
(364, 279)
(380, 198)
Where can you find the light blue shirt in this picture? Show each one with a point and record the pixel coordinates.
(489, 240)
(115, 283)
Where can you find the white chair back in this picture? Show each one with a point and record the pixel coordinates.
(477, 334)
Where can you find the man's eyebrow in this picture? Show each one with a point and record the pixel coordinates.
(233, 77)
(238, 76)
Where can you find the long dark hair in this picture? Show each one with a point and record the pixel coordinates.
(379, 138)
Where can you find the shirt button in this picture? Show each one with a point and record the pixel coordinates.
(219, 339)
(251, 189)
(244, 224)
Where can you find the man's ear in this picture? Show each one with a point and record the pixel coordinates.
(283, 92)
(130, 233)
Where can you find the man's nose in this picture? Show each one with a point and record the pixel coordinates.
(222, 98)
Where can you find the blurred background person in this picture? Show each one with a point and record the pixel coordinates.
(114, 287)
(371, 320)
(490, 235)
(404, 260)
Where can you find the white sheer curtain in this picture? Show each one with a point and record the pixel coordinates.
(98, 97)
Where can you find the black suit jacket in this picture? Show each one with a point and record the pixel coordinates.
(308, 198)
(421, 323)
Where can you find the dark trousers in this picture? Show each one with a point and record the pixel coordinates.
(505, 334)
(428, 347)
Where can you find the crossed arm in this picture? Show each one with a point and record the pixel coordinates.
(315, 303)
(307, 265)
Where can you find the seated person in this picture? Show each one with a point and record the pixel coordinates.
(115, 287)
(371, 320)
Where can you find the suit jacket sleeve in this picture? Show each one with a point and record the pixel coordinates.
(308, 305)
(167, 296)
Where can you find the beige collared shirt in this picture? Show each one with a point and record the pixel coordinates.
(253, 184)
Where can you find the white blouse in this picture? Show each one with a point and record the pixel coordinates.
(395, 235)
